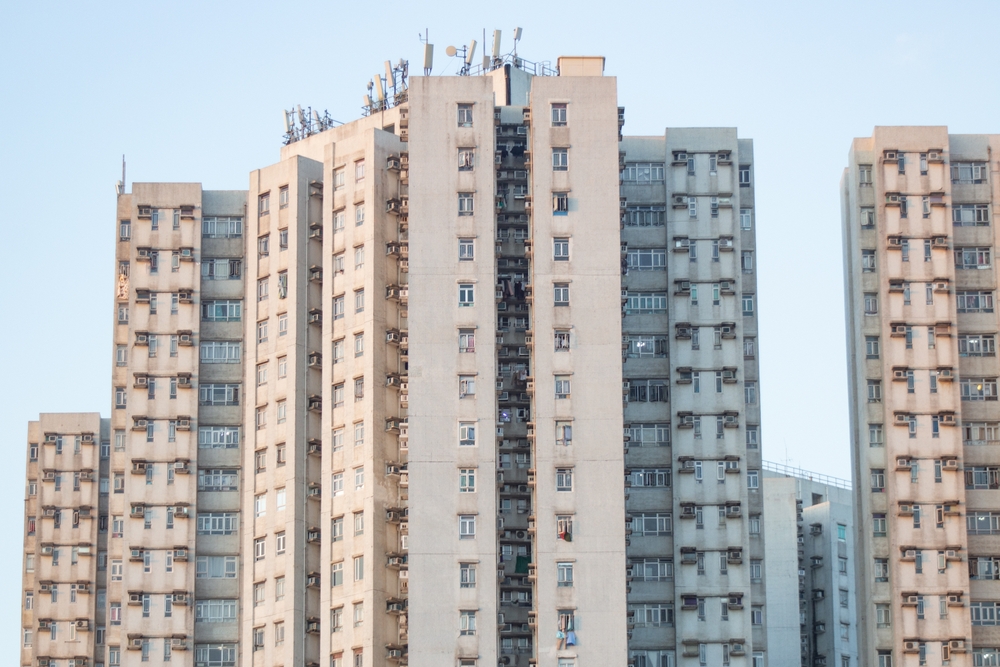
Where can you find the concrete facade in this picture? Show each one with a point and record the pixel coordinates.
(918, 207)
(444, 396)
(689, 321)
(809, 526)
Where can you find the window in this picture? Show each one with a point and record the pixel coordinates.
(467, 575)
(645, 302)
(974, 302)
(359, 344)
(219, 394)
(750, 392)
(560, 249)
(871, 303)
(746, 261)
(564, 479)
(978, 389)
(643, 172)
(465, 115)
(753, 479)
(973, 257)
(652, 615)
(466, 295)
(558, 115)
(221, 268)
(466, 250)
(215, 611)
(359, 568)
(466, 203)
(968, 172)
(645, 216)
(560, 293)
(339, 220)
(216, 567)
(560, 159)
(744, 175)
(359, 171)
(337, 529)
(218, 437)
(359, 301)
(649, 259)
(874, 391)
(648, 390)
(747, 305)
(218, 523)
(220, 352)
(878, 525)
(359, 523)
(467, 480)
(970, 215)
(467, 526)
(467, 623)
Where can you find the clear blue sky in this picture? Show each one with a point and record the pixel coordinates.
(194, 92)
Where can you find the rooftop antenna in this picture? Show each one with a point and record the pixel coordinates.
(379, 91)
(428, 52)
(517, 38)
(390, 78)
(120, 187)
(496, 48)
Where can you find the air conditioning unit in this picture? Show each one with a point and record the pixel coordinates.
(892, 198)
(134, 598)
(185, 338)
(139, 467)
(395, 653)
(314, 447)
(819, 594)
(946, 374)
(949, 464)
(185, 297)
(682, 243)
(895, 241)
(911, 646)
(957, 645)
(47, 550)
(947, 419)
(312, 581)
(939, 241)
(187, 254)
(737, 648)
(178, 643)
(135, 554)
(725, 243)
(87, 438)
(734, 556)
(903, 462)
(82, 624)
(180, 554)
(733, 510)
(184, 423)
(680, 201)
(955, 600)
(141, 380)
(181, 512)
(899, 374)
(902, 419)
(315, 317)
(891, 155)
(312, 535)
(138, 511)
(49, 475)
(729, 376)
(182, 467)
(181, 597)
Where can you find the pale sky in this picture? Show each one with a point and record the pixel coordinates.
(193, 91)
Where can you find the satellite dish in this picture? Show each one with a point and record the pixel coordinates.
(451, 51)
(472, 52)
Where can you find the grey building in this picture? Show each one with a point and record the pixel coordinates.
(809, 525)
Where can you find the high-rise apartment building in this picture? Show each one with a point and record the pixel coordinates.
(809, 526)
(918, 215)
(447, 409)
(691, 398)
